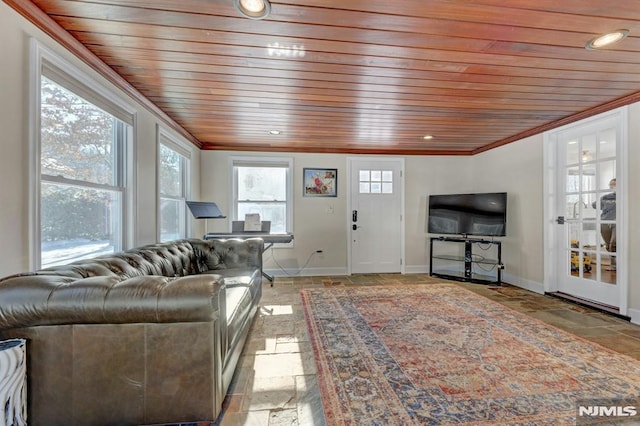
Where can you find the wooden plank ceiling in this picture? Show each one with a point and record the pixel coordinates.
(356, 76)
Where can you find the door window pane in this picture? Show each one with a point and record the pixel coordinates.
(588, 148)
(376, 181)
(607, 144)
(607, 172)
(572, 151)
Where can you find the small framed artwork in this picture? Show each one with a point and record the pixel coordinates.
(320, 182)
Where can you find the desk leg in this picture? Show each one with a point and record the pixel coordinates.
(264, 274)
(269, 277)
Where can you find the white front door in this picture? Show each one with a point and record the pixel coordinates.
(587, 209)
(376, 214)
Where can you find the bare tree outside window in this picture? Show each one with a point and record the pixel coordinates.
(173, 194)
(80, 178)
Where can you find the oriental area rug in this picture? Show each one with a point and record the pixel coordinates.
(438, 354)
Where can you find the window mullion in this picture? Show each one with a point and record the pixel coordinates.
(79, 183)
(173, 197)
(262, 201)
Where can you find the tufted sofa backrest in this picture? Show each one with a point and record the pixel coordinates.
(212, 255)
(154, 283)
(170, 259)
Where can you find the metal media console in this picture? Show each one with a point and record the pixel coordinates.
(466, 259)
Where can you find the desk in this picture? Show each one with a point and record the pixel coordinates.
(268, 238)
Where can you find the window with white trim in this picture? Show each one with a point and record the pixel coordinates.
(81, 167)
(264, 186)
(173, 188)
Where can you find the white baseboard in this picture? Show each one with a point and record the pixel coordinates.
(409, 269)
(307, 272)
(536, 287)
(320, 272)
(522, 283)
(416, 269)
(634, 314)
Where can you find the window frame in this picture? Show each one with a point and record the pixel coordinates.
(45, 61)
(285, 162)
(166, 139)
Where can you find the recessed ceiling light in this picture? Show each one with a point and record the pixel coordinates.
(253, 9)
(275, 132)
(606, 39)
(427, 137)
(286, 51)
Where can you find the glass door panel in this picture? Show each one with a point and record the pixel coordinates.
(586, 165)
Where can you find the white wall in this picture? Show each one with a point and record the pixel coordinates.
(15, 33)
(429, 175)
(633, 198)
(516, 168)
(315, 228)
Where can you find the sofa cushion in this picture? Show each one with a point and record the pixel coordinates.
(238, 306)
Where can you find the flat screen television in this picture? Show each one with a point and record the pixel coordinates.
(481, 214)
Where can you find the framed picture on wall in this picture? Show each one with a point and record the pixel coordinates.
(320, 182)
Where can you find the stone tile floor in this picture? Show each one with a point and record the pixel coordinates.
(275, 382)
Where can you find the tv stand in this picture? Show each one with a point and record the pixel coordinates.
(466, 259)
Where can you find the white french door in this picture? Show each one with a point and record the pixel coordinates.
(376, 215)
(586, 203)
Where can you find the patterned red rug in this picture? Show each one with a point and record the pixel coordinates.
(440, 354)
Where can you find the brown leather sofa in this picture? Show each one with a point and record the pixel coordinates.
(149, 335)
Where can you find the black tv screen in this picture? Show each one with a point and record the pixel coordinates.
(482, 214)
